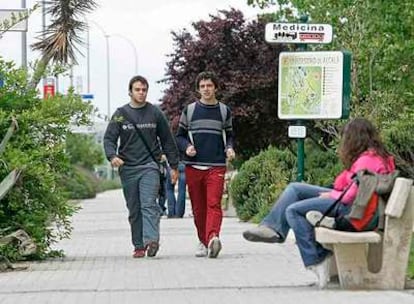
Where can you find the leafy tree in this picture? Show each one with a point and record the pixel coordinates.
(62, 35)
(246, 66)
(38, 203)
(380, 35)
(83, 151)
(7, 24)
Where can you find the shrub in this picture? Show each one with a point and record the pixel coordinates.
(263, 177)
(37, 203)
(81, 183)
(109, 184)
(260, 180)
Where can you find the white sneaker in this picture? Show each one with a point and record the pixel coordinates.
(322, 271)
(314, 216)
(214, 247)
(201, 250)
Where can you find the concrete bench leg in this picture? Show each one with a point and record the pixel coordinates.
(351, 260)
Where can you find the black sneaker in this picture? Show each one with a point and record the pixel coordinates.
(262, 234)
(152, 249)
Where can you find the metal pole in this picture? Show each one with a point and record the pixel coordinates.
(301, 156)
(133, 47)
(44, 28)
(108, 70)
(108, 78)
(71, 75)
(24, 43)
(88, 61)
(301, 141)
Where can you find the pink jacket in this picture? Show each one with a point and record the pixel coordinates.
(368, 160)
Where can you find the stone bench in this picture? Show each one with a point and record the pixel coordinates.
(375, 260)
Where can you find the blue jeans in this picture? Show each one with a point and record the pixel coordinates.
(140, 188)
(176, 206)
(289, 212)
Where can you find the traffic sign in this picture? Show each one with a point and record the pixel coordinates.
(87, 96)
(49, 88)
(298, 33)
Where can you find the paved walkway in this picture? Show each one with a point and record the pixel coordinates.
(98, 268)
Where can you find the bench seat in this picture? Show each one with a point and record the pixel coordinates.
(330, 236)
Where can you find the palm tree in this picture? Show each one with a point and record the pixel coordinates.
(59, 42)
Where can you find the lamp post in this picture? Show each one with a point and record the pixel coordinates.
(133, 47)
(108, 69)
(24, 43)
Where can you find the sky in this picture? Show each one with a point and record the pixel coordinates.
(139, 41)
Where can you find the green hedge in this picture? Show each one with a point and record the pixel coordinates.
(262, 178)
(81, 183)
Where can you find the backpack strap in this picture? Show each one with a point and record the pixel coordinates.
(190, 112)
(223, 112)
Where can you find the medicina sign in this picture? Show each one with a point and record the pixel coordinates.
(298, 33)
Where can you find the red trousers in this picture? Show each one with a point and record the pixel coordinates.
(205, 188)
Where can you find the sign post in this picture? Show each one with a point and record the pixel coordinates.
(312, 85)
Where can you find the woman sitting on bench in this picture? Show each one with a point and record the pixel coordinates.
(360, 148)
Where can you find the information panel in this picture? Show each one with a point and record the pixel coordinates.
(311, 85)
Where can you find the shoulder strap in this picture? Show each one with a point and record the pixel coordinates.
(223, 112)
(336, 202)
(190, 112)
(128, 117)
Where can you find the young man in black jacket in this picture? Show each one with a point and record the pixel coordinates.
(141, 128)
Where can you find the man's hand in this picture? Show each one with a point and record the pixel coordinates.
(116, 162)
(230, 154)
(174, 176)
(191, 151)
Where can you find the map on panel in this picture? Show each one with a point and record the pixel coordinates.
(310, 85)
(302, 88)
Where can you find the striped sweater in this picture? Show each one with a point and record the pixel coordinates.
(206, 128)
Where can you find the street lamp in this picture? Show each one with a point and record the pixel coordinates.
(108, 72)
(24, 42)
(108, 68)
(133, 47)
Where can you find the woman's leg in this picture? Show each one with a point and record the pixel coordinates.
(294, 192)
(312, 253)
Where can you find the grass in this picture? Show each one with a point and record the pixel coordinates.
(410, 269)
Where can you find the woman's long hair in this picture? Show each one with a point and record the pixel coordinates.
(358, 136)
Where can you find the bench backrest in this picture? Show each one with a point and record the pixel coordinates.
(399, 197)
(392, 253)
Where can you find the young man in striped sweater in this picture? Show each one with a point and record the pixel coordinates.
(205, 136)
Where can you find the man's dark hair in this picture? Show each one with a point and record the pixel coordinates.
(136, 79)
(205, 76)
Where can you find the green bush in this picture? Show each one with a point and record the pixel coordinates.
(38, 203)
(109, 184)
(321, 167)
(81, 183)
(260, 180)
